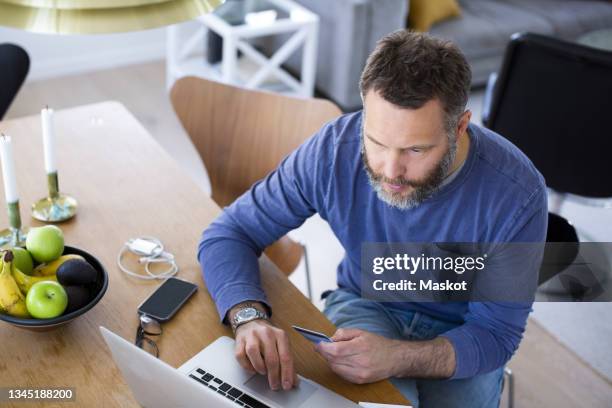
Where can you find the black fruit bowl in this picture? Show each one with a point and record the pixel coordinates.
(98, 289)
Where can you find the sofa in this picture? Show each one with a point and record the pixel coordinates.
(349, 30)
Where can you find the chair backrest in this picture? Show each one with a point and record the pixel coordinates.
(242, 135)
(14, 67)
(553, 99)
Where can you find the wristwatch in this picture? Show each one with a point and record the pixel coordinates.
(247, 314)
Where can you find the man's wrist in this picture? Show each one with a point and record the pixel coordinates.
(252, 323)
(401, 358)
(249, 303)
(246, 312)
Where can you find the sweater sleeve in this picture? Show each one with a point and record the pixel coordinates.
(229, 248)
(493, 330)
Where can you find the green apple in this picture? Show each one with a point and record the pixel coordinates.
(23, 260)
(45, 244)
(46, 300)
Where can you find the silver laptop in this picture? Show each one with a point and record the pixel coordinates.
(212, 378)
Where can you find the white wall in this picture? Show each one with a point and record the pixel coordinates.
(59, 55)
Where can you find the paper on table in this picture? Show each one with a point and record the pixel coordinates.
(375, 405)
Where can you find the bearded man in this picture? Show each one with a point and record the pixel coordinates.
(409, 167)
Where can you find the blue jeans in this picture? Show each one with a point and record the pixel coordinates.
(346, 309)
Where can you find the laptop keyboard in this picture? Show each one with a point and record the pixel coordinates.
(225, 389)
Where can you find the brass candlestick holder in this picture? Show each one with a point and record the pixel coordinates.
(56, 207)
(14, 235)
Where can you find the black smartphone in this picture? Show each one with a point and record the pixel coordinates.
(167, 299)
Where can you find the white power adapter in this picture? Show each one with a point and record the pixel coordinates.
(150, 250)
(144, 247)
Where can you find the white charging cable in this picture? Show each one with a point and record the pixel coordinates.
(150, 250)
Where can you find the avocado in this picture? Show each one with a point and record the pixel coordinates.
(78, 296)
(76, 272)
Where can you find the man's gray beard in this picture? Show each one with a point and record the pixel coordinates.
(421, 192)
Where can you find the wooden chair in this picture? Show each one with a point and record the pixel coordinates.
(242, 135)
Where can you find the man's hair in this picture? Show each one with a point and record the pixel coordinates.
(408, 69)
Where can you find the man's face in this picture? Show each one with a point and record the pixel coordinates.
(407, 153)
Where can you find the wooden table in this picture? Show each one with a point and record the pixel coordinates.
(127, 186)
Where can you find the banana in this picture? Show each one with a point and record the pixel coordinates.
(48, 269)
(11, 298)
(1, 308)
(25, 282)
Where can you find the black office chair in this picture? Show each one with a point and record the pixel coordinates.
(14, 67)
(551, 98)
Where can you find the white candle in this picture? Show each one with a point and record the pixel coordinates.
(8, 169)
(48, 140)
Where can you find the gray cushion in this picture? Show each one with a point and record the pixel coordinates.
(486, 26)
(570, 18)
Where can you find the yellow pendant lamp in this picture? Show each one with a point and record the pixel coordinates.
(99, 16)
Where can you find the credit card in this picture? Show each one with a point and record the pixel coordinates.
(312, 335)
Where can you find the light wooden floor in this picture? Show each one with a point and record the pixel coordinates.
(546, 373)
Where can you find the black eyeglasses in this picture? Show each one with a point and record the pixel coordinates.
(150, 327)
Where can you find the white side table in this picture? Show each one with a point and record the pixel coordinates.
(253, 69)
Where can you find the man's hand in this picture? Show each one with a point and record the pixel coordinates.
(263, 348)
(361, 357)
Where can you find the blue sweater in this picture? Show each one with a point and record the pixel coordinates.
(497, 196)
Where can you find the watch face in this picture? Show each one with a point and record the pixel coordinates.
(247, 313)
